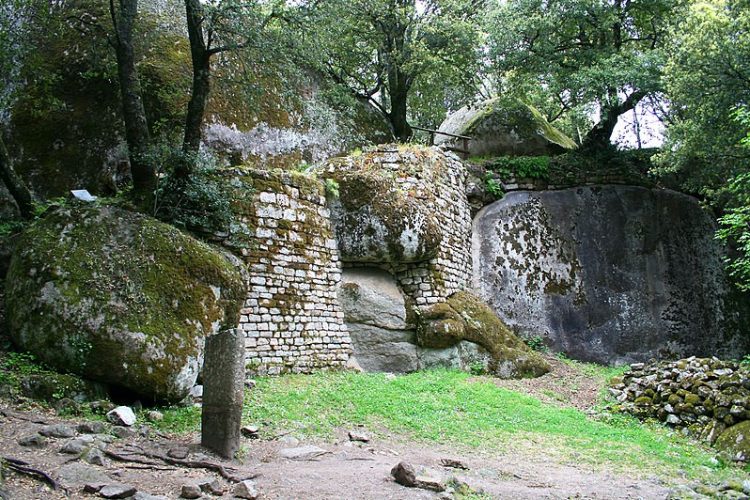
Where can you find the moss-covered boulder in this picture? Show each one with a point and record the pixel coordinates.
(378, 215)
(119, 298)
(465, 317)
(735, 442)
(504, 127)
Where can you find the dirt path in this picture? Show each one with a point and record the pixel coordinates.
(346, 470)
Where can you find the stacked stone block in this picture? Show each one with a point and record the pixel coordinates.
(441, 178)
(291, 320)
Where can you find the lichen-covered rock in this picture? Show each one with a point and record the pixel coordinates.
(465, 317)
(119, 298)
(699, 396)
(735, 442)
(610, 274)
(377, 218)
(503, 127)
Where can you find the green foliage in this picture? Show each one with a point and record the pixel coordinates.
(572, 57)
(388, 50)
(706, 76)
(735, 230)
(493, 186)
(332, 188)
(199, 202)
(525, 167)
(536, 343)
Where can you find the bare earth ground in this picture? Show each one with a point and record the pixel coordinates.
(349, 470)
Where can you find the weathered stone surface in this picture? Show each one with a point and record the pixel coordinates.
(223, 382)
(735, 442)
(58, 431)
(190, 491)
(370, 296)
(465, 317)
(117, 491)
(78, 473)
(404, 474)
(610, 274)
(119, 298)
(246, 489)
(502, 127)
(377, 221)
(33, 441)
(122, 415)
(308, 452)
(357, 435)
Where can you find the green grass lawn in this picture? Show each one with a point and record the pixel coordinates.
(469, 413)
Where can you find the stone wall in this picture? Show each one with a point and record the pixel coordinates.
(292, 320)
(444, 176)
(404, 209)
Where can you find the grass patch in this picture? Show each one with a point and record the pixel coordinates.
(443, 406)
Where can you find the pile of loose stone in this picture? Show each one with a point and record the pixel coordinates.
(700, 396)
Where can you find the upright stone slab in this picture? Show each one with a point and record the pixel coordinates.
(223, 382)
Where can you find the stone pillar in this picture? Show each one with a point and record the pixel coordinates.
(223, 384)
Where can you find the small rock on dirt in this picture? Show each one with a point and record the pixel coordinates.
(33, 441)
(302, 453)
(178, 452)
(75, 446)
(93, 487)
(78, 473)
(360, 436)
(430, 483)
(211, 486)
(155, 416)
(246, 489)
(123, 432)
(117, 491)
(453, 464)
(404, 474)
(190, 491)
(91, 428)
(58, 431)
(93, 456)
(122, 415)
(250, 431)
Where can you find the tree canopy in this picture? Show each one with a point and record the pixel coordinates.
(599, 57)
(404, 56)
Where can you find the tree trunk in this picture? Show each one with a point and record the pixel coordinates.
(398, 91)
(599, 136)
(15, 185)
(201, 59)
(133, 112)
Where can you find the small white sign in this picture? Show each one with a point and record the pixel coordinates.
(83, 195)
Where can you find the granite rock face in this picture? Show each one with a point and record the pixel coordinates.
(503, 127)
(610, 274)
(119, 298)
(386, 339)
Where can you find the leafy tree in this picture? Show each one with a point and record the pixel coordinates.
(707, 77)
(14, 42)
(398, 53)
(593, 55)
(213, 29)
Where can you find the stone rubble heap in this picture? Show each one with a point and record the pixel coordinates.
(702, 397)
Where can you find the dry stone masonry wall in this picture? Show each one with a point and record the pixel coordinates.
(404, 209)
(291, 318)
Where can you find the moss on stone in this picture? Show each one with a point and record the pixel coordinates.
(735, 441)
(465, 317)
(119, 298)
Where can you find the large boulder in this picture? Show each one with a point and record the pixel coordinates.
(119, 298)
(384, 334)
(611, 274)
(464, 317)
(375, 314)
(380, 213)
(735, 442)
(503, 127)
